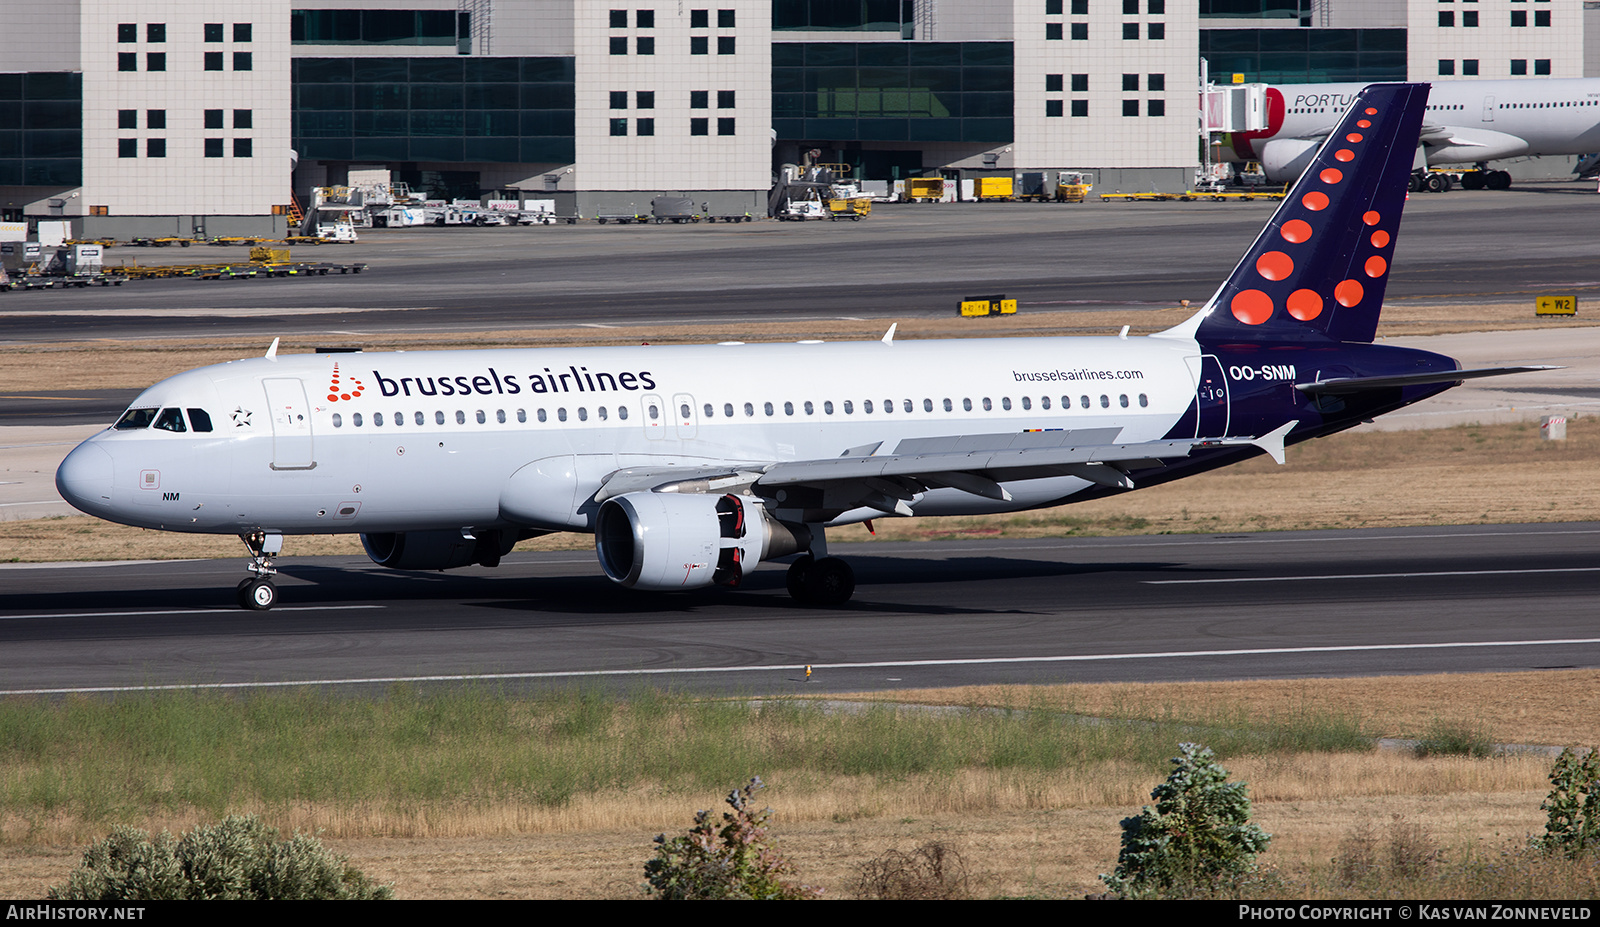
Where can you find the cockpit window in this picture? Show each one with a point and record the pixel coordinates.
(170, 420)
(136, 418)
(199, 420)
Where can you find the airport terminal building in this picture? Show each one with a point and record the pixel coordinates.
(189, 118)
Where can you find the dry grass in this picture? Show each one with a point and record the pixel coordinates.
(135, 364)
(1369, 479)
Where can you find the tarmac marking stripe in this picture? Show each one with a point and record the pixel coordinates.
(800, 667)
(1295, 579)
(188, 611)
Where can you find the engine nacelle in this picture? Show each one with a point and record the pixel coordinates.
(665, 540)
(1283, 160)
(437, 550)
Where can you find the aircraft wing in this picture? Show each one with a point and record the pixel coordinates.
(1345, 386)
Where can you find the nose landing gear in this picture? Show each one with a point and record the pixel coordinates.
(258, 593)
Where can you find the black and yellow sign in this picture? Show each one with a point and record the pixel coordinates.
(1555, 305)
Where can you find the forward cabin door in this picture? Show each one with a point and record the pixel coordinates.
(291, 424)
(1488, 108)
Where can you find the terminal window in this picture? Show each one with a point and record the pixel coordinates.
(1447, 66)
(645, 99)
(647, 45)
(155, 61)
(619, 45)
(619, 19)
(699, 99)
(647, 127)
(242, 61)
(1519, 17)
(244, 119)
(243, 148)
(241, 32)
(155, 32)
(699, 127)
(699, 19)
(699, 45)
(214, 119)
(1157, 31)
(1519, 67)
(725, 19)
(1541, 66)
(1080, 83)
(127, 32)
(619, 99)
(1130, 30)
(1053, 83)
(646, 19)
(1447, 19)
(155, 119)
(724, 126)
(1130, 82)
(155, 148)
(1052, 7)
(1541, 18)
(1080, 31)
(213, 61)
(725, 45)
(127, 61)
(1155, 108)
(725, 99)
(1053, 108)
(1156, 82)
(1130, 7)
(1469, 67)
(213, 147)
(1130, 107)
(127, 148)
(1157, 7)
(1080, 107)
(1080, 8)
(1469, 18)
(127, 119)
(1052, 32)
(619, 127)
(213, 32)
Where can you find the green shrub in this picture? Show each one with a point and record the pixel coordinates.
(1198, 838)
(239, 859)
(1573, 805)
(1444, 738)
(734, 862)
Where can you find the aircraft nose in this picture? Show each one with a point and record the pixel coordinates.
(84, 478)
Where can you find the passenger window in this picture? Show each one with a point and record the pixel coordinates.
(711, 411)
(377, 418)
(949, 406)
(1144, 401)
(602, 412)
(866, 406)
(727, 409)
(583, 413)
(1044, 402)
(749, 410)
(655, 413)
(849, 409)
(766, 407)
(1124, 400)
(683, 411)
(1084, 401)
(927, 405)
(561, 413)
(788, 408)
(1005, 403)
(622, 412)
(337, 421)
(356, 419)
(399, 418)
(810, 409)
(500, 416)
(1105, 401)
(136, 418)
(888, 405)
(438, 418)
(481, 417)
(419, 418)
(988, 404)
(1027, 403)
(199, 420)
(171, 420)
(966, 405)
(907, 404)
(827, 407)
(461, 417)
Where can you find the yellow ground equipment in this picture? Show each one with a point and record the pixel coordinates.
(924, 190)
(1072, 187)
(992, 189)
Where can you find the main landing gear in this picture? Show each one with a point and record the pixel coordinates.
(818, 580)
(258, 593)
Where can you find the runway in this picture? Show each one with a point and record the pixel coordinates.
(1304, 604)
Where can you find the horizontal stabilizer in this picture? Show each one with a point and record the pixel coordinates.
(1345, 386)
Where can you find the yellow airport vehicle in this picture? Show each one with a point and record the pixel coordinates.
(1072, 187)
(924, 190)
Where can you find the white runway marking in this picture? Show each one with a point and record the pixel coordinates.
(1295, 579)
(800, 667)
(189, 611)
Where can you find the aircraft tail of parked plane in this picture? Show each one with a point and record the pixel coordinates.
(692, 464)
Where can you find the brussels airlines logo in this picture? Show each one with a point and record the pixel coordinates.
(337, 391)
(571, 379)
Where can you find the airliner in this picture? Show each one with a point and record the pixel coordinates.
(1466, 122)
(693, 464)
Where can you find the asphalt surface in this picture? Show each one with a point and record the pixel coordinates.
(1305, 604)
(905, 260)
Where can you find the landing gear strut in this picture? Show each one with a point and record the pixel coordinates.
(825, 583)
(258, 593)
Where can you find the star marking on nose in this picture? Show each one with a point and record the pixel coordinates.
(241, 417)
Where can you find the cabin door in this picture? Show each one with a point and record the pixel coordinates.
(291, 424)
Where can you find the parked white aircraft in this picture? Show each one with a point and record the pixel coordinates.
(1468, 122)
(692, 464)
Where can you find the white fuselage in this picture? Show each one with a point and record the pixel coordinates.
(430, 440)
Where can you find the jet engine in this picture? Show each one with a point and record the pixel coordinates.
(661, 541)
(1283, 160)
(437, 550)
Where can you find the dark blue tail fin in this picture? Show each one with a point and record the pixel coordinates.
(1318, 269)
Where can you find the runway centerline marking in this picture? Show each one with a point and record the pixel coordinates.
(1292, 579)
(800, 667)
(189, 611)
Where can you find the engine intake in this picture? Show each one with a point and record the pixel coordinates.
(664, 541)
